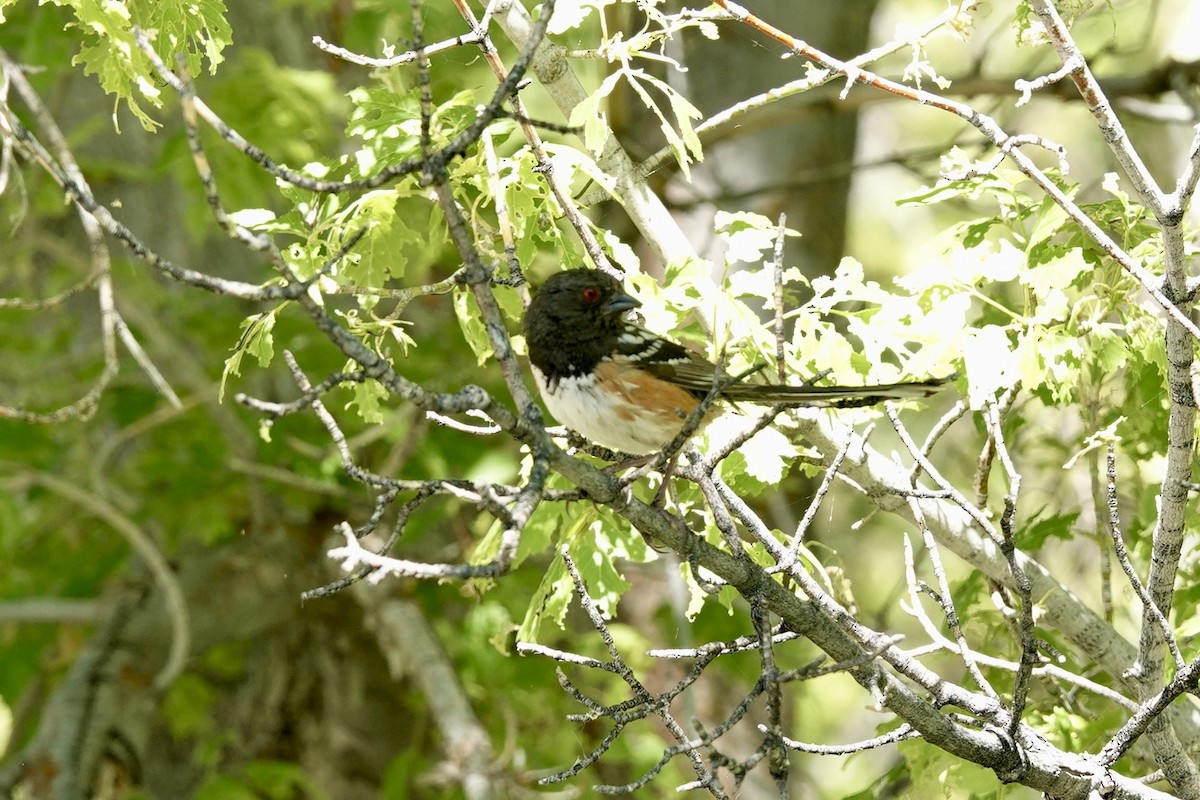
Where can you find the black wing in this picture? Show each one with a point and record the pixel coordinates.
(673, 362)
(668, 360)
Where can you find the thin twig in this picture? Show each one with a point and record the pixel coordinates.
(1149, 607)
(1008, 546)
(901, 734)
(777, 265)
(406, 57)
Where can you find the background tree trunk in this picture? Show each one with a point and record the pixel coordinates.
(794, 156)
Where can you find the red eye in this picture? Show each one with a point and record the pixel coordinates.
(591, 294)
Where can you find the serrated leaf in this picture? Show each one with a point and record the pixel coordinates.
(471, 324)
(727, 596)
(197, 28)
(990, 362)
(682, 113)
(389, 124)
(571, 162)
(1042, 526)
(746, 235)
(1109, 351)
(624, 255)
(1059, 273)
(760, 283)
(596, 566)
(587, 114)
(1050, 357)
(615, 538)
(117, 77)
(368, 397)
(545, 528)
(769, 455)
(549, 602)
(991, 261)
(256, 340)
(696, 595)
(382, 248)
(937, 775)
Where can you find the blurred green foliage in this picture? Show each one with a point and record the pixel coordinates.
(1019, 295)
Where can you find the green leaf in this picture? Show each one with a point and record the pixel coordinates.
(573, 165)
(588, 115)
(1050, 357)
(727, 597)
(1057, 274)
(937, 774)
(595, 550)
(256, 340)
(1044, 524)
(382, 252)
(682, 111)
(746, 235)
(760, 283)
(759, 463)
(196, 28)
(540, 532)
(471, 324)
(1051, 219)
(368, 397)
(1108, 351)
(549, 602)
(389, 124)
(114, 57)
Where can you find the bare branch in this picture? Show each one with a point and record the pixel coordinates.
(1114, 531)
(899, 735)
(1008, 545)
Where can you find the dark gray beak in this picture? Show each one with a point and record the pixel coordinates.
(619, 302)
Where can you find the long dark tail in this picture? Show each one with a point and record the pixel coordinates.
(833, 396)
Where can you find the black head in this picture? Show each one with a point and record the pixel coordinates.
(574, 320)
(580, 295)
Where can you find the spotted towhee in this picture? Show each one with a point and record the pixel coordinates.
(627, 389)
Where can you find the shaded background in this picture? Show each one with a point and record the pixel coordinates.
(298, 699)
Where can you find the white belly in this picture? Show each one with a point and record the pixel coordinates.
(576, 403)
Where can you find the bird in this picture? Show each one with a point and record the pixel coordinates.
(630, 390)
